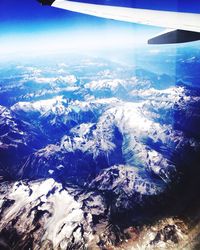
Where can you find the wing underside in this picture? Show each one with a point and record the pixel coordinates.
(185, 26)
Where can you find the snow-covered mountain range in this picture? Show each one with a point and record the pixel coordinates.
(87, 158)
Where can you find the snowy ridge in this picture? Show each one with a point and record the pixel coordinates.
(43, 106)
(144, 141)
(51, 209)
(126, 179)
(61, 103)
(96, 149)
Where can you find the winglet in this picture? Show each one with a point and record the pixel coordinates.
(175, 36)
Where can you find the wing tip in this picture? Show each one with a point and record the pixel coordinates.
(175, 36)
(46, 2)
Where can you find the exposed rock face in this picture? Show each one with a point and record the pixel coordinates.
(45, 215)
(97, 160)
(126, 188)
(18, 139)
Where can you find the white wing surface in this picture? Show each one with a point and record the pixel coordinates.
(189, 23)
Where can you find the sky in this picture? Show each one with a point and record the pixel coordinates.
(31, 10)
(25, 24)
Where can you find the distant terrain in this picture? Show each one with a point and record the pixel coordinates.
(95, 154)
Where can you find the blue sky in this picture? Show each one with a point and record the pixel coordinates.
(24, 21)
(31, 10)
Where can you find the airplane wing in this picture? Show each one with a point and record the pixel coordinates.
(185, 27)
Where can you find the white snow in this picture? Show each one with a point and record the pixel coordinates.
(64, 213)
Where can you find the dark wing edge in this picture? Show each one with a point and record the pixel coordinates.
(46, 2)
(175, 36)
